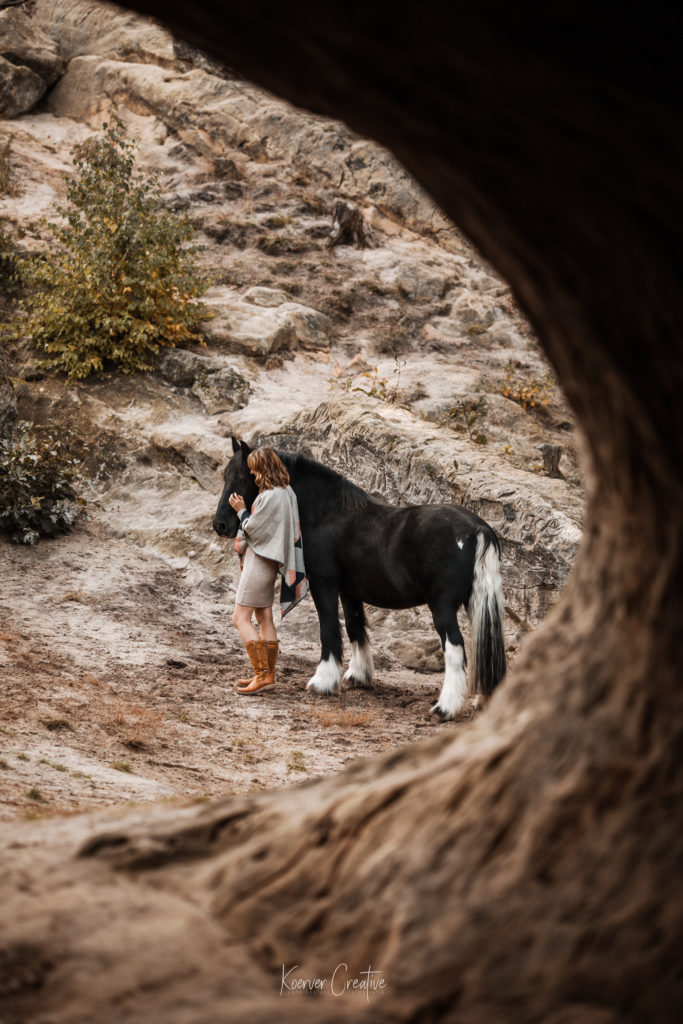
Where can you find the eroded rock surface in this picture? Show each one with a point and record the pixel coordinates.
(29, 63)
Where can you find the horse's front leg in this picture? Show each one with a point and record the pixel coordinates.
(327, 676)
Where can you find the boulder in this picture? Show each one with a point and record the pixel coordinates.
(419, 655)
(24, 44)
(29, 63)
(265, 296)
(420, 283)
(218, 387)
(20, 89)
(79, 27)
(182, 368)
(239, 326)
(223, 390)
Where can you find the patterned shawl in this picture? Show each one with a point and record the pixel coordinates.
(272, 531)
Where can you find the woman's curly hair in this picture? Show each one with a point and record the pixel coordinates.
(268, 469)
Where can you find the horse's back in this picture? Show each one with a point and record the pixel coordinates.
(399, 557)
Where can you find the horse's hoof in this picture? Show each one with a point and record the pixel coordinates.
(357, 684)
(322, 688)
(443, 716)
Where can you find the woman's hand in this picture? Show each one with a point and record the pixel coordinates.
(236, 502)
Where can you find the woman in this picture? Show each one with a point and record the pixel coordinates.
(270, 540)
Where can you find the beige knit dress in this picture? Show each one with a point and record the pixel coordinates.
(256, 587)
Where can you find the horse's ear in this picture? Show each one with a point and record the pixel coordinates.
(235, 445)
(246, 450)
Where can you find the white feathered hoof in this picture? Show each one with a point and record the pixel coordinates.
(357, 684)
(442, 713)
(454, 690)
(361, 669)
(327, 677)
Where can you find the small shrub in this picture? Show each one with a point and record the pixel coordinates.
(57, 725)
(296, 762)
(54, 764)
(277, 221)
(8, 265)
(465, 414)
(283, 244)
(380, 386)
(121, 281)
(35, 794)
(122, 766)
(40, 473)
(529, 393)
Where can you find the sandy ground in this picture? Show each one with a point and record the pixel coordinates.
(118, 687)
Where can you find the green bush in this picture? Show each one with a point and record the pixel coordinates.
(122, 280)
(40, 473)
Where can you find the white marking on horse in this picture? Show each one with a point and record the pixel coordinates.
(361, 668)
(454, 689)
(461, 544)
(327, 676)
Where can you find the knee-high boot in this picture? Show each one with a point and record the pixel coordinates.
(263, 678)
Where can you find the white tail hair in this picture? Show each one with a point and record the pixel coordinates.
(486, 611)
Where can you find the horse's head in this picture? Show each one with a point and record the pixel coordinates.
(237, 479)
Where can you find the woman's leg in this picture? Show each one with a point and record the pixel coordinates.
(241, 618)
(264, 617)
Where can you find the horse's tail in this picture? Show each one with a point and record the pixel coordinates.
(486, 611)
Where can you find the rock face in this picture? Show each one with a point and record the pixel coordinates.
(80, 27)
(214, 115)
(29, 63)
(259, 326)
(388, 452)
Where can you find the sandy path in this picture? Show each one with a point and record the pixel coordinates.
(117, 686)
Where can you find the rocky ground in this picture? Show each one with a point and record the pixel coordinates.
(116, 649)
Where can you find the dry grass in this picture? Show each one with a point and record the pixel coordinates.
(73, 595)
(343, 718)
(89, 680)
(135, 725)
(296, 762)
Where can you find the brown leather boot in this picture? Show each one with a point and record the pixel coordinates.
(272, 647)
(263, 680)
(250, 645)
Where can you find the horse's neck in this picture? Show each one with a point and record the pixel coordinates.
(319, 499)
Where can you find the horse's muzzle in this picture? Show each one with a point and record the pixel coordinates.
(220, 526)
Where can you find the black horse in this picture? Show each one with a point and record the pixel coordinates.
(364, 551)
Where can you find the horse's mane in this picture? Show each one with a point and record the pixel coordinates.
(349, 495)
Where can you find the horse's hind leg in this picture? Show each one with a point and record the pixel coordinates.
(361, 668)
(454, 689)
(327, 677)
